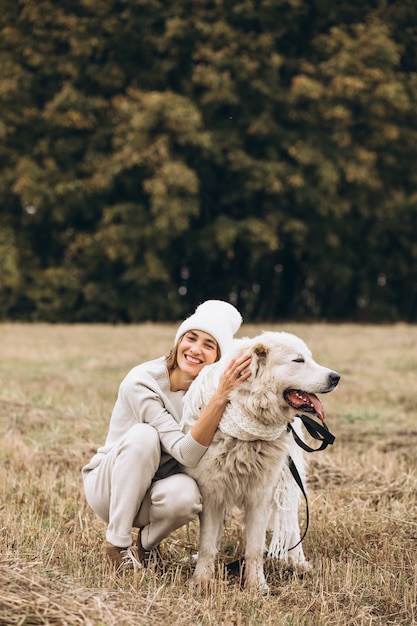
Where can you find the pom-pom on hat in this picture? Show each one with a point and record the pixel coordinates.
(219, 319)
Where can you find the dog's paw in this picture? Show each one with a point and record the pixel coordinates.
(199, 584)
(203, 574)
(203, 585)
(303, 567)
(255, 580)
(257, 586)
(300, 566)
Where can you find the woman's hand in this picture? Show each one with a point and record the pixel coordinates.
(234, 375)
(206, 425)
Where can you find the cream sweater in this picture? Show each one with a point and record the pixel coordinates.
(145, 397)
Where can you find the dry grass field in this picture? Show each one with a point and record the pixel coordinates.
(58, 385)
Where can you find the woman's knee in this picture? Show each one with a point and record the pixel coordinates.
(140, 450)
(178, 496)
(141, 438)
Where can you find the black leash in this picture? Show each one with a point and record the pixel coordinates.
(320, 432)
(298, 480)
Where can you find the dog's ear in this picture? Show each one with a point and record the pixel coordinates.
(259, 400)
(260, 350)
(259, 357)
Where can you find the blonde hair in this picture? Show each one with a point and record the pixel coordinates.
(171, 359)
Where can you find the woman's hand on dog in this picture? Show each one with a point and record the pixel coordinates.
(205, 427)
(234, 374)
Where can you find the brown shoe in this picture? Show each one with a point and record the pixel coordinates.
(148, 557)
(142, 553)
(122, 559)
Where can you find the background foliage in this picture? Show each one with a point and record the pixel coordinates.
(154, 154)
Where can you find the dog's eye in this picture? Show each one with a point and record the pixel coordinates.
(299, 360)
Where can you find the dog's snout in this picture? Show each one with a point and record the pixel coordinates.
(334, 378)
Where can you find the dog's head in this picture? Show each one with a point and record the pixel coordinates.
(284, 378)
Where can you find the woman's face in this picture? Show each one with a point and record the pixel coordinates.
(196, 350)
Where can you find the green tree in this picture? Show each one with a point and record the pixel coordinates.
(155, 154)
(356, 107)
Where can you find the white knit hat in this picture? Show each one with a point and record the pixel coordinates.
(219, 319)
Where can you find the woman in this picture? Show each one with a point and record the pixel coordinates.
(135, 479)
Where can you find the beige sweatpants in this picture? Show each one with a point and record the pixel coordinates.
(123, 491)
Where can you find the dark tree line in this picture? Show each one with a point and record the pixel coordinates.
(154, 154)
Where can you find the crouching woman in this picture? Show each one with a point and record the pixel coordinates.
(135, 479)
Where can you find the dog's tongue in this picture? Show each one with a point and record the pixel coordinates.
(306, 401)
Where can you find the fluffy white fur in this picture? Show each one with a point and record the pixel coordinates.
(246, 465)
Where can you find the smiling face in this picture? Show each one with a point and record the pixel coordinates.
(195, 350)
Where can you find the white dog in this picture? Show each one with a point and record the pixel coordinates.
(246, 465)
